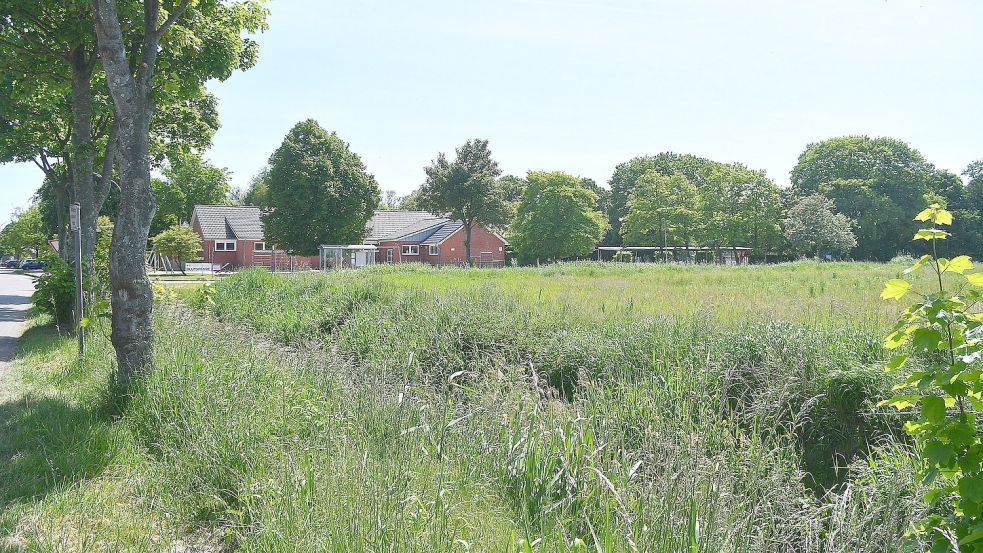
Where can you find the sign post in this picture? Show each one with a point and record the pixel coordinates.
(75, 223)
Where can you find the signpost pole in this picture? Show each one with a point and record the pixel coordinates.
(75, 223)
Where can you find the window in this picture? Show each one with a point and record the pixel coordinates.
(499, 248)
(389, 255)
(433, 250)
(225, 246)
(411, 249)
(260, 247)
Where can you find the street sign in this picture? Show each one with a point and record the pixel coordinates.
(75, 216)
(54, 245)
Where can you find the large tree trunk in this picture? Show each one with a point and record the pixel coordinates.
(86, 190)
(83, 153)
(132, 296)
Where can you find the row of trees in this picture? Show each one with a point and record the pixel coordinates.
(853, 190)
(97, 94)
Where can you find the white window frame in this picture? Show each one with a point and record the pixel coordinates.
(410, 249)
(263, 249)
(389, 255)
(225, 245)
(433, 249)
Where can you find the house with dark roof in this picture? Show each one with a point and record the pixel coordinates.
(418, 236)
(232, 238)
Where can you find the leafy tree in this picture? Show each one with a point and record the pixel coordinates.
(132, 47)
(740, 207)
(873, 181)
(56, 110)
(257, 193)
(180, 242)
(626, 175)
(190, 181)
(24, 235)
(467, 189)
(411, 201)
(556, 218)
(939, 336)
(319, 191)
(662, 211)
(603, 194)
(812, 225)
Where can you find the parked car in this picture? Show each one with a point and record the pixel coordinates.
(31, 265)
(12, 264)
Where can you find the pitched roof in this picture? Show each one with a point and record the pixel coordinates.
(224, 222)
(442, 232)
(389, 225)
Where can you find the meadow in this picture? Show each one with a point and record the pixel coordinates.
(579, 407)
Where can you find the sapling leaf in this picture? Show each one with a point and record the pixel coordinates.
(933, 409)
(895, 289)
(931, 234)
(958, 265)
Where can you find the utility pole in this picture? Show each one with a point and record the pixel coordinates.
(75, 223)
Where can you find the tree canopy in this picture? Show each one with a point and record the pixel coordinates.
(876, 182)
(319, 192)
(556, 218)
(188, 181)
(180, 242)
(662, 211)
(466, 189)
(813, 226)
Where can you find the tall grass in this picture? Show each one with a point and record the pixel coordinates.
(358, 411)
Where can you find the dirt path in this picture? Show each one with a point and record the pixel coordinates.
(15, 300)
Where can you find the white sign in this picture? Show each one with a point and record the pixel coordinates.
(198, 268)
(75, 216)
(53, 244)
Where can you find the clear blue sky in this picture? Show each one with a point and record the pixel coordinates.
(581, 86)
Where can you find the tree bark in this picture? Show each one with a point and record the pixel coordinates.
(467, 244)
(83, 154)
(132, 296)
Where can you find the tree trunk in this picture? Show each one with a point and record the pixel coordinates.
(132, 296)
(83, 157)
(467, 244)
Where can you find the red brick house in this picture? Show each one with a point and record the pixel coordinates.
(232, 238)
(418, 236)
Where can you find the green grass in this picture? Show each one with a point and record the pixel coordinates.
(569, 408)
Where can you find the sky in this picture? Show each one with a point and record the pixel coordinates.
(582, 85)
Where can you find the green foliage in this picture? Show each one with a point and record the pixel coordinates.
(466, 189)
(54, 293)
(875, 182)
(555, 218)
(257, 194)
(737, 206)
(940, 337)
(189, 181)
(812, 226)
(318, 191)
(662, 211)
(25, 236)
(180, 242)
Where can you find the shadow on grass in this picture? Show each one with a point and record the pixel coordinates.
(40, 340)
(47, 442)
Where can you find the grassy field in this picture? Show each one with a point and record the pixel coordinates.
(571, 408)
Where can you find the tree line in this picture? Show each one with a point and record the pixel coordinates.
(848, 198)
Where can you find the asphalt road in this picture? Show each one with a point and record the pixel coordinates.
(15, 300)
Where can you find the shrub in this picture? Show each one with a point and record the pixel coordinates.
(54, 293)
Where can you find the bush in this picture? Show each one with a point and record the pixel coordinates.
(54, 292)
